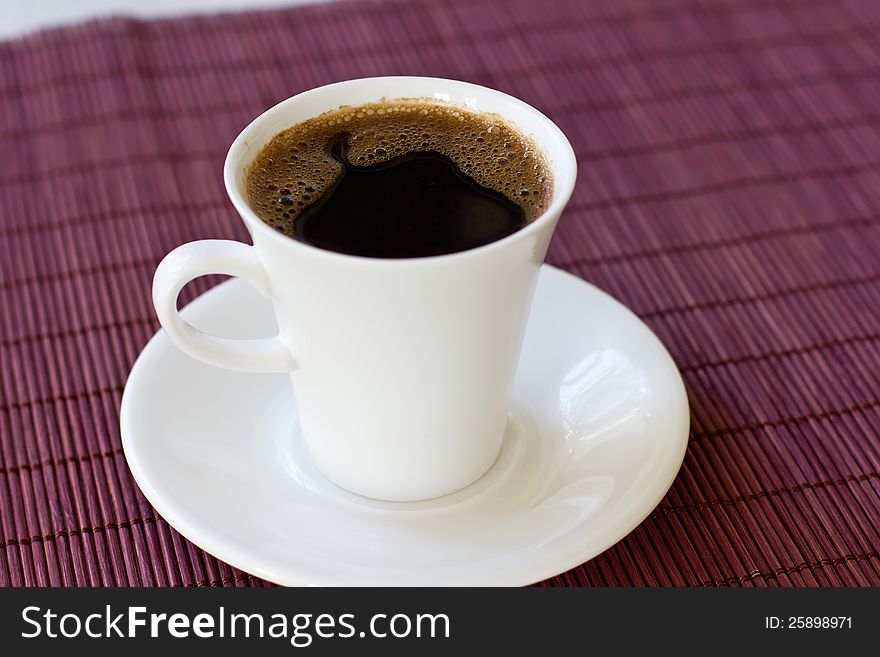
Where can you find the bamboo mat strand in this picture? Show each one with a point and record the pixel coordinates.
(729, 193)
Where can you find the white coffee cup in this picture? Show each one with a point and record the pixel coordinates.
(402, 369)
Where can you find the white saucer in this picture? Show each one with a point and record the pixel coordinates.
(597, 433)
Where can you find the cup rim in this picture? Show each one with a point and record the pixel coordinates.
(562, 188)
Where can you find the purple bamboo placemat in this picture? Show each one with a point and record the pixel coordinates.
(729, 193)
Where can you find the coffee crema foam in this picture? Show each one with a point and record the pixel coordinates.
(296, 168)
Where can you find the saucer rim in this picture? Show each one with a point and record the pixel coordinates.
(563, 561)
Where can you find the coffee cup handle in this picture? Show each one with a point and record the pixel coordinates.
(189, 261)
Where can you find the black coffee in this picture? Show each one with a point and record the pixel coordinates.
(399, 179)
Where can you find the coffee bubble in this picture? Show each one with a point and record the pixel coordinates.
(483, 146)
